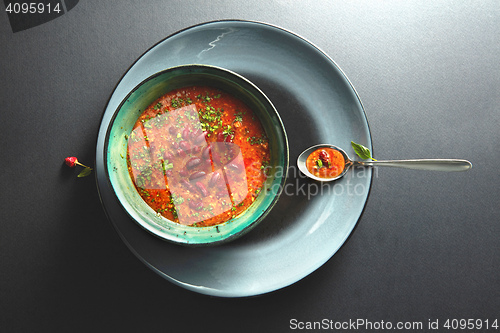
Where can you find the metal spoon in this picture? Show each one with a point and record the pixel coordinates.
(418, 164)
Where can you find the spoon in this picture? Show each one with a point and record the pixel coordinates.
(417, 164)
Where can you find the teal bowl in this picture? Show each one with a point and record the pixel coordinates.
(139, 99)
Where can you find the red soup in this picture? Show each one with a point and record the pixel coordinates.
(325, 163)
(198, 156)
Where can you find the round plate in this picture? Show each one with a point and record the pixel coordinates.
(311, 220)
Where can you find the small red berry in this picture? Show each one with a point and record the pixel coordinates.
(324, 157)
(71, 161)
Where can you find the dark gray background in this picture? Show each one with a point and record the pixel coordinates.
(427, 246)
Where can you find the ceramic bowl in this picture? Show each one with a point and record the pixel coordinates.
(142, 96)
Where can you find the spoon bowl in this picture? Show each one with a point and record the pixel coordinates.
(301, 162)
(416, 164)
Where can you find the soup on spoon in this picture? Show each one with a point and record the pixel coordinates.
(325, 162)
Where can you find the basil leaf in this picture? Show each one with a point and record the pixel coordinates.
(362, 151)
(85, 172)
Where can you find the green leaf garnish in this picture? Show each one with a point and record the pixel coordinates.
(319, 163)
(362, 151)
(85, 172)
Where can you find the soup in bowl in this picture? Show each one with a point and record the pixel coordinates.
(197, 155)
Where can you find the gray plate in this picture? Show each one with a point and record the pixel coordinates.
(311, 221)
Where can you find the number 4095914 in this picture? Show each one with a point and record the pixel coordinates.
(32, 8)
(471, 324)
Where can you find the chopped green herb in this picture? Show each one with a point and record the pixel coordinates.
(255, 140)
(167, 166)
(175, 103)
(227, 131)
(176, 200)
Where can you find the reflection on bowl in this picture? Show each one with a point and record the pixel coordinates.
(170, 151)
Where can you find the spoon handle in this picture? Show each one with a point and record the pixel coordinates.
(421, 164)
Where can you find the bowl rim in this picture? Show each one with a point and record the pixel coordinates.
(170, 237)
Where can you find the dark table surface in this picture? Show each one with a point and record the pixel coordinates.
(426, 248)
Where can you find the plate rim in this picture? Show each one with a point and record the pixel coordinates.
(207, 290)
